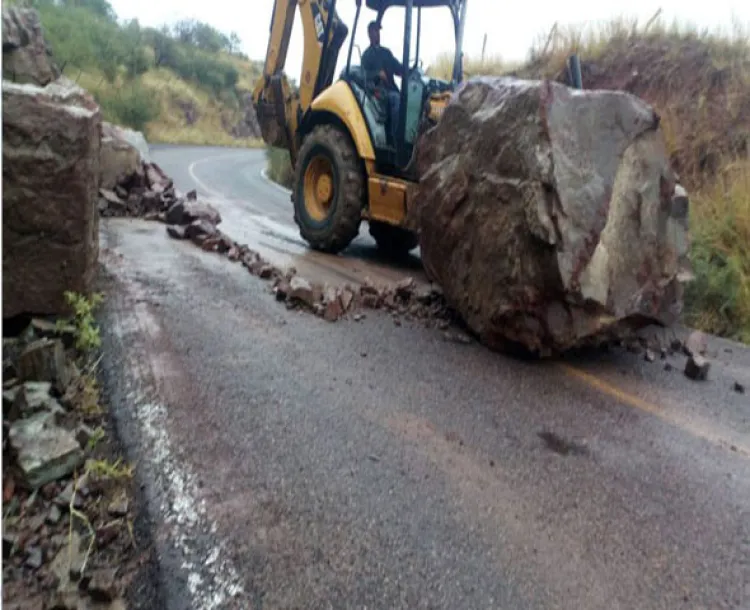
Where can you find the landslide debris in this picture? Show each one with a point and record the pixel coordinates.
(551, 217)
(67, 500)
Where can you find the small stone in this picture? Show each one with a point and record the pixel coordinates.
(210, 244)
(176, 231)
(696, 344)
(54, 515)
(371, 301)
(282, 290)
(103, 585)
(738, 387)
(35, 397)
(456, 338)
(10, 543)
(358, 317)
(50, 329)
(397, 321)
(233, 254)
(265, 272)
(34, 558)
(697, 368)
(45, 452)
(44, 360)
(676, 345)
(405, 288)
(347, 296)
(83, 435)
(199, 230)
(663, 354)
(332, 304)
(63, 499)
(107, 533)
(668, 367)
(649, 356)
(301, 290)
(192, 195)
(119, 506)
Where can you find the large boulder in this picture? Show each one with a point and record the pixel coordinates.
(122, 154)
(51, 142)
(27, 57)
(551, 217)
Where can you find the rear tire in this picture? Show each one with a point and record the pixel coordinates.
(393, 242)
(329, 188)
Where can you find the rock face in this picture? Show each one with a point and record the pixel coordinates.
(51, 143)
(26, 56)
(550, 216)
(122, 152)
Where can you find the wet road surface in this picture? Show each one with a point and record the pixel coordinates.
(301, 464)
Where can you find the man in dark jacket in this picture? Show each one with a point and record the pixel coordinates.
(381, 66)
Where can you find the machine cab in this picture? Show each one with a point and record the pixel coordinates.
(421, 97)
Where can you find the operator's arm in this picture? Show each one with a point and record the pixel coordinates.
(395, 67)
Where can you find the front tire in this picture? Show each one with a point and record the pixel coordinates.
(393, 242)
(329, 189)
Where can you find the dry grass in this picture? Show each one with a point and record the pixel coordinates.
(170, 97)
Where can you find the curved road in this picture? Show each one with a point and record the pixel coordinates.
(294, 463)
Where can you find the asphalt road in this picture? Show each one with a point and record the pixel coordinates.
(294, 463)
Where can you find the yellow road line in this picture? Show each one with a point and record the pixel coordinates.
(700, 429)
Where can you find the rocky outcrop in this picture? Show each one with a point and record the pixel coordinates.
(27, 57)
(51, 142)
(551, 217)
(122, 152)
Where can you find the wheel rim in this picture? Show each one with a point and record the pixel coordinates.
(318, 187)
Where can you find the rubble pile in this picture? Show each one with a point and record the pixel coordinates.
(551, 217)
(58, 473)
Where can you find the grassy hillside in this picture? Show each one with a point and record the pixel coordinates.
(699, 82)
(184, 83)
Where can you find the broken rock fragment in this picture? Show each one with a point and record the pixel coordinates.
(301, 290)
(542, 243)
(200, 230)
(45, 452)
(697, 367)
(44, 360)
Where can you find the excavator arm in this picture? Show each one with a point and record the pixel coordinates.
(279, 108)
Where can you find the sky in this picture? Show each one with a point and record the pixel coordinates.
(511, 26)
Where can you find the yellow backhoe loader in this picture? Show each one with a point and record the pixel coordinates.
(349, 162)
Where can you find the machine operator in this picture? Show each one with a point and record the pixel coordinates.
(380, 64)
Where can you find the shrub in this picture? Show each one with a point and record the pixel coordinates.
(279, 166)
(131, 105)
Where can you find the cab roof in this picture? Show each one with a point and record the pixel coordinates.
(382, 5)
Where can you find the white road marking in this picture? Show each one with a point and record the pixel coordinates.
(212, 579)
(283, 189)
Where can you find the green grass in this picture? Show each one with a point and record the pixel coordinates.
(278, 166)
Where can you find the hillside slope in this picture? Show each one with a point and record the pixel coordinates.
(186, 83)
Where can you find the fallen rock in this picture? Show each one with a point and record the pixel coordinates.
(177, 231)
(696, 344)
(738, 387)
(34, 397)
(697, 367)
(51, 143)
(103, 586)
(34, 558)
(199, 230)
(332, 304)
(301, 290)
(45, 452)
(44, 360)
(119, 506)
(574, 232)
(119, 158)
(199, 210)
(27, 58)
